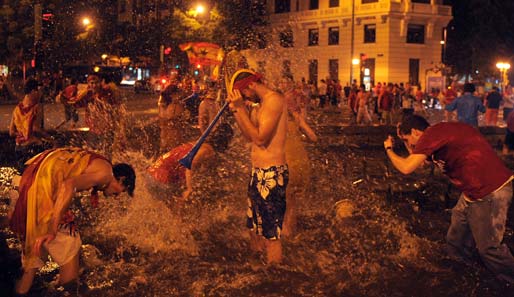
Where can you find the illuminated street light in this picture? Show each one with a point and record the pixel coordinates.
(196, 11)
(86, 21)
(356, 61)
(200, 9)
(104, 58)
(503, 66)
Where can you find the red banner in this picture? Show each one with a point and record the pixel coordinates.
(203, 53)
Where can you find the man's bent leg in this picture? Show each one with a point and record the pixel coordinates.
(458, 236)
(273, 251)
(257, 243)
(487, 221)
(289, 225)
(25, 282)
(69, 271)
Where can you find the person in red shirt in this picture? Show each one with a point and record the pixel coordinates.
(472, 165)
(167, 170)
(449, 96)
(385, 104)
(68, 98)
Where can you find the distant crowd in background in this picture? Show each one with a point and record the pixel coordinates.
(385, 103)
(380, 103)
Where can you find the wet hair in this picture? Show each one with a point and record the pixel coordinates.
(413, 122)
(469, 88)
(221, 137)
(125, 170)
(30, 85)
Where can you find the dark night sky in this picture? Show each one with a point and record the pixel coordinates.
(481, 33)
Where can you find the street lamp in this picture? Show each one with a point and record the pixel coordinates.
(352, 42)
(443, 49)
(503, 66)
(199, 9)
(104, 59)
(86, 22)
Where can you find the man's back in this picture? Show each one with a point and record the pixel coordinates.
(467, 107)
(493, 100)
(465, 156)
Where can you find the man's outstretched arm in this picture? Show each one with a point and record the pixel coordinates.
(404, 165)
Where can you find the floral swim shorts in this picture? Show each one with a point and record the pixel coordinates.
(267, 200)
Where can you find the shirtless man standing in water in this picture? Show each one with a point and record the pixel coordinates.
(265, 125)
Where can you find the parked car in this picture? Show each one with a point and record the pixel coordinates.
(143, 86)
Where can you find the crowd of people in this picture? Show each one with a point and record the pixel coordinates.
(273, 118)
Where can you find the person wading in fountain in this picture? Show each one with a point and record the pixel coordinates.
(265, 126)
(41, 217)
(296, 155)
(167, 170)
(472, 165)
(26, 125)
(172, 120)
(102, 114)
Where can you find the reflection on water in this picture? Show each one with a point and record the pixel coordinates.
(365, 245)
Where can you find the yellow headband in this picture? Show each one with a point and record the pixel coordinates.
(232, 81)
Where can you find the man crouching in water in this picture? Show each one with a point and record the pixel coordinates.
(265, 125)
(41, 217)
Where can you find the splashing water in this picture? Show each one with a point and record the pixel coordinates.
(156, 245)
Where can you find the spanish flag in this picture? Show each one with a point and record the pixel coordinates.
(203, 53)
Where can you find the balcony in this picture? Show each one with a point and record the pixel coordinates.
(345, 10)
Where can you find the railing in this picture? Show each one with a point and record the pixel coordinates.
(370, 8)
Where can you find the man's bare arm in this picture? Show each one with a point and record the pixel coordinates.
(268, 120)
(406, 165)
(241, 113)
(100, 174)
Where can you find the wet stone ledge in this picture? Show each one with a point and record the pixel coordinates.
(374, 136)
(145, 139)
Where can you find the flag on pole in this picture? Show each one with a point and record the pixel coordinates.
(203, 53)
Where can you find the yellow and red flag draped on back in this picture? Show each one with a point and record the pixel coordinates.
(203, 53)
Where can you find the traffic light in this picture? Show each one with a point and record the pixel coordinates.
(167, 51)
(48, 24)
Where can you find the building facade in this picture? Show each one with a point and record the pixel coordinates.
(363, 40)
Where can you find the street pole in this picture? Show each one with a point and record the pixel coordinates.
(444, 46)
(352, 40)
(38, 31)
(38, 36)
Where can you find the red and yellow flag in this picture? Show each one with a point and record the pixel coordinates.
(203, 53)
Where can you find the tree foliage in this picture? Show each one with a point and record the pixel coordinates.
(16, 31)
(230, 23)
